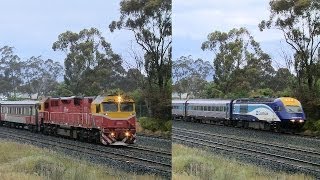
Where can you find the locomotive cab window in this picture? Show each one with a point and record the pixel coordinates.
(110, 107)
(126, 107)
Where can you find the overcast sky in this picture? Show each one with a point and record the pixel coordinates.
(193, 20)
(32, 26)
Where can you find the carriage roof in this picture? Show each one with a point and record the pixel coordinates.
(26, 102)
(203, 101)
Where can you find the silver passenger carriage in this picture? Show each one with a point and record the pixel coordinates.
(178, 109)
(208, 109)
(201, 109)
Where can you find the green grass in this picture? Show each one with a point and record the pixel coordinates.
(21, 161)
(192, 163)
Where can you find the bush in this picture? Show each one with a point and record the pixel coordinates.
(153, 124)
(168, 125)
(312, 125)
(317, 126)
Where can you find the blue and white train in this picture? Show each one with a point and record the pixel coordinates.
(257, 113)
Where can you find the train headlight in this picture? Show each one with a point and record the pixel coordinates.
(113, 134)
(127, 134)
(301, 121)
(292, 120)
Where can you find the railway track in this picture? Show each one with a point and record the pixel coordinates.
(308, 152)
(150, 160)
(262, 151)
(146, 149)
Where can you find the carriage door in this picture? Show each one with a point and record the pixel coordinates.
(227, 111)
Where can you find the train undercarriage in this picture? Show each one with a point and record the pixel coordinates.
(286, 126)
(107, 137)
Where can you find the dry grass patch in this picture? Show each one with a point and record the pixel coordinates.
(21, 161)
(192, 163)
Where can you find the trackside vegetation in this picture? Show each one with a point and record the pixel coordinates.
(191, 163)
(22, 161)
(312, 127)
(155, 126)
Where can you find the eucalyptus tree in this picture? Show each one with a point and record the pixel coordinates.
(10, 71)
(40, 76)
(90, 64)
(190, 75)
(299, 21)
(150, 22)
(239, 62)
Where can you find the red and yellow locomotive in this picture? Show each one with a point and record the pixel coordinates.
(106, 119)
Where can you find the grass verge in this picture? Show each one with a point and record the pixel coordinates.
(191, 163)
(22, 161)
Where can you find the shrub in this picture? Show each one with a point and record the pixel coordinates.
(149, 123)
(153, 124)
(168, 125)
(317, 125)
(310, 125)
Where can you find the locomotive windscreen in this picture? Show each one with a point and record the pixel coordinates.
(110, 107)
(126, 107)
(293, 109)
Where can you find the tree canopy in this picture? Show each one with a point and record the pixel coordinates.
(90, 64)
(150, 22)
(299, 22)
(239, 63)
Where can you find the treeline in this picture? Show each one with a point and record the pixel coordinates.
(91, 67)
(242, 69)
(29, 76)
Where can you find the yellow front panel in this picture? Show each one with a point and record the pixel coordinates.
(120, 114)
(287, 101)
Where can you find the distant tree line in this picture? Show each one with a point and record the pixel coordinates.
(29, 76)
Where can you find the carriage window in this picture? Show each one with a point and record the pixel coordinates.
(209, 108)
(243, 108)
(205, 108)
